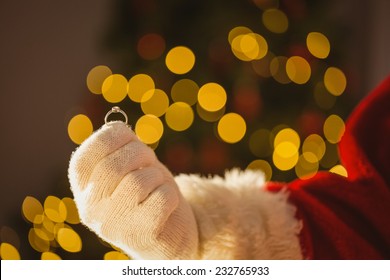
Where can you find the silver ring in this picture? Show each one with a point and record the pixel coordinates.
(115, 109)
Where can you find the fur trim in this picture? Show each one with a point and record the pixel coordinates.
(239, 219)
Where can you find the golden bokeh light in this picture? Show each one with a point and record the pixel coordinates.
(334, 128)
(149, 129)
(31, 207)
(69, 240)
(335, 81)
(259, 143)
(209, 116)
(318, 44)
(275, 20)
(9, 252)
(96, 77)
(180, 60)
(55, 209)
(155, 102)
(72, 215)
(278, 69)
(248, 47)
(36, 242)
(237, 31)
(263, 166)
(340, 170)
(212, 97)
(79, 128)
(298, 70)
(287, 135)
(115, 255)
(284, 163)
(114, 88)
(185, 90)
(231, 128)
(50, 256)
(305, 169)
(138, 85)
(179, 116)
(151, 46)
(315, 145)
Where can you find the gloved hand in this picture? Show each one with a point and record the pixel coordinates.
(127, 197)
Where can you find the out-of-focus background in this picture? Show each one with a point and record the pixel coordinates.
(210, 85)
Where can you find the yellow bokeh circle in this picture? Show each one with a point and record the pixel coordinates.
(334, 128)
(185, 90)
(138, 85)
(55, 209)
(8, 252)
(155, 102)
(31, 208)
(275, 20)
(115, 255)
(298, 69)
(50, 256)
(149, 129)
(179, 116)
(114, 88)
(79, 128)
(96, 77)
(263, 166)
(318, 44)
(335, 81)
(69, 240)
(340, 170)
(212, 97)
(180, 60)
(251, 46)
(231, 128)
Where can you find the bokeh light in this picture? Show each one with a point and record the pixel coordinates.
(237, 31)
(231, 128)
(313, 145)
(36, 242)
(262, 165)
(155, 102)
(185, 90)
(138, 85)
(298, 69)
(151, 46)
(115, 255)
(79, 128)
(50, 256)
(114, 88)
(96, 77)
(31, 207)
(307, 166)
(318, 44)
(335, 81)
(340, 170)
(180, 60)
(72, 214)
(251, 46)
(179, 116)
(286, 146)
(149, 129)
(212, 97)
(9, 252)
(69, 240)
(55, 209)
(275, 20)
(334, 128)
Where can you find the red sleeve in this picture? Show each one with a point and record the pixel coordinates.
(349, 218)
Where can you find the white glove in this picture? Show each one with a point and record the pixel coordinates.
(128, 198)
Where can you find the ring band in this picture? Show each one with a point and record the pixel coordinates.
(115, 109)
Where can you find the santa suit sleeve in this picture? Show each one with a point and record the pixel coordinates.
(349, 218)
